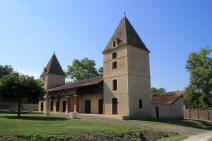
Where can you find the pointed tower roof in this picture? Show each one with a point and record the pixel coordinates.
(126, 34)
(53, 67)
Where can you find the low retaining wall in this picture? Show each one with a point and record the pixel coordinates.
(25, 107)
(202, 114)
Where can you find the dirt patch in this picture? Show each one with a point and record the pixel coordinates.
(145, 135)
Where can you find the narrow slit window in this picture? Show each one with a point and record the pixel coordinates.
(115, 85)
(114, 55)
(140, 104)
(114, 43)
(114, 65)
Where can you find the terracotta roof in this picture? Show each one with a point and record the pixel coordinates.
(78, 84)
(167, 98)
(53, 67)
(126, 34)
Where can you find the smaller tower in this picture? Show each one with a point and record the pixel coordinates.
(51, 77)
(53, 74)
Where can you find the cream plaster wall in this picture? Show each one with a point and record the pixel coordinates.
(94, 98)
(173, 111)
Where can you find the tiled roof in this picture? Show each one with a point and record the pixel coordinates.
(167, 98)
(53, 67)
(78, 84)
(126, 34)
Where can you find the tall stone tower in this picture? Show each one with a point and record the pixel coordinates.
(127, 74)
(53, 74)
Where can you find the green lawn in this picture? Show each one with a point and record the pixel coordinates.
(181, 123)
(41, 127)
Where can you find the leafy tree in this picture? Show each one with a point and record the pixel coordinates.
(20, 87)
(198, 92)
(5, 70)
(83, 69)
(160, 90)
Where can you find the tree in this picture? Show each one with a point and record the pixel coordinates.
(21, 87)
(198, 92)
(160, 90)
(5, 70)
(83, 69)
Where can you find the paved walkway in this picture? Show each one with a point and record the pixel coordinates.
(200, 137)
(187, 131)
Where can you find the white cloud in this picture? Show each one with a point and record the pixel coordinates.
(27, 72)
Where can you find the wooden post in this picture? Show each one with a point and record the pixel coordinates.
(189, 113)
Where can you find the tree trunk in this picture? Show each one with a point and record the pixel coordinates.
(19, 106)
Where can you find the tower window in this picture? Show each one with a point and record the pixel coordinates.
(114, 55)
(140, 104)
(114, 43)
(114, 65)
(115, 85)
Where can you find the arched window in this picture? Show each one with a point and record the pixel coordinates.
(114, 84)
(114, 43)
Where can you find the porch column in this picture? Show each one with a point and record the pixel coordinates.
(76, 103)
(68, 103)
(46, 110)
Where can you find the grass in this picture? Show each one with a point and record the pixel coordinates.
(181, 123)
(173, 138)
(38, 124)
(44, 128)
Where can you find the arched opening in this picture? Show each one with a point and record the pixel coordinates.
(41, 104)
(114, 106)
(100, 106)
(87, 106)
(64, 106)
(52, 106)
(57, 106)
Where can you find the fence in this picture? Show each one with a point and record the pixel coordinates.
(202, 114)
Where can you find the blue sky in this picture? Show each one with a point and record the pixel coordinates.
(30, 31)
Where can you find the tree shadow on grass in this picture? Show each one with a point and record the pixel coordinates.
(200, 124)
(30, 116)
(36, 118)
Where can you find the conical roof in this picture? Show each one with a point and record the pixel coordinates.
(53, 67)
(126, 34)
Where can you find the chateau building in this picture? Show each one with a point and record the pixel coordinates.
(124, 88)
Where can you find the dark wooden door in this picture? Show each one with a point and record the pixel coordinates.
(87, 106)
(157, 112)
(101, 106)
(64, 106)
(41, 108)
(114, 106)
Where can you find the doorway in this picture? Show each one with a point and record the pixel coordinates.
(57, 106)
(41, 106)
(114, 106)
(157, 112)
(52, 106)
(87, 106)
(64, 106)
(100, 106)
